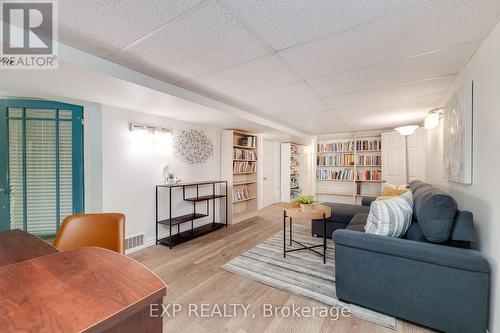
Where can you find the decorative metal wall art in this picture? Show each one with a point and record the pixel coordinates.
(193, 146)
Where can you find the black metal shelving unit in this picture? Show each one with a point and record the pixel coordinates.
(180, 237)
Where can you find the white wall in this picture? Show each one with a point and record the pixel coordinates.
(482, 196)
(434, 157)
(133, 163)
(92, 151)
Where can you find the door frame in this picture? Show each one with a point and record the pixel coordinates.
(276, 172)
(77, 153)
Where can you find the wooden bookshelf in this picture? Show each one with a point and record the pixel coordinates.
(293, 158)
(239, 166)
(245, 182)
(246, 199)
(355, 158)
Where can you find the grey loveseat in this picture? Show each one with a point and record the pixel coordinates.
(429, 277)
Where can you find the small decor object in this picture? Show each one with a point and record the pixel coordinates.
(193, 146)
(171, 178)
(165, 173)
(457, 136)
(305, 201)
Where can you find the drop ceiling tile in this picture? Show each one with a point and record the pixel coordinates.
(385, 109)
(203, 40)
(388, 118)
(284, 23)
(433, 87)
(309, 116)
(298, 108)
(261, 73)
(329, 119)
(102, 27)
(443, 24)
(427, 66)
(326, 128)
(278, 95)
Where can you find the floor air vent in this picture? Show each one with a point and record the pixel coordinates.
(134, 241)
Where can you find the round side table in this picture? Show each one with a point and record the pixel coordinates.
(315, 212)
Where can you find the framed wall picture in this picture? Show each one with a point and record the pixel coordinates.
(457, 135)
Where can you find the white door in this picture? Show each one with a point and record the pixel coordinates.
(393, 158)
(270, 173)
(416, 155)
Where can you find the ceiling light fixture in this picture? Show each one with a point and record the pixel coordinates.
(149, 129)
(407, 130)
(432, 118)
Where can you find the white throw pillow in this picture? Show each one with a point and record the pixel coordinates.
(390, 217)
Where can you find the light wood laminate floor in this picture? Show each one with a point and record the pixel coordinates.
(193, 275)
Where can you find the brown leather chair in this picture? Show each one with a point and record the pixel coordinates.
(101, 230)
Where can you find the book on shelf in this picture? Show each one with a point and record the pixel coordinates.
(373, 144)
(294, 181)
(294, 149)
(341, 146)
(248, 141)
(335, 160)
(295, 192)
(369, 175)
(369, 160)
(240, 193)
(244, 154)
(244, 167)
(340, 174)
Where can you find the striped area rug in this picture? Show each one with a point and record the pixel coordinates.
(301, 273)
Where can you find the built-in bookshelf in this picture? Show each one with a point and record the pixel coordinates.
(348, 167)
(239, 166)
(292, 171)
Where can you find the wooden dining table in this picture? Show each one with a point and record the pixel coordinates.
(82, 290)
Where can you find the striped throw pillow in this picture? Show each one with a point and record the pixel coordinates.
(391, 217)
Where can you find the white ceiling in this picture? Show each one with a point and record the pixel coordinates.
(93, 87)
(318, 66)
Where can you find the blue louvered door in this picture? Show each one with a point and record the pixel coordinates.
(41, 166)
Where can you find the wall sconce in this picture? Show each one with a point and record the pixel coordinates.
(149, 129)
(432, 118)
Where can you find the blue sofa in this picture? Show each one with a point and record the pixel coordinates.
(430, 276)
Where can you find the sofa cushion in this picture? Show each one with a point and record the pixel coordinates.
(390, 217)
(435, 212)
(414, 233)
(343, 213)
(415, 184)
(463, 229)
(367, 201)
(356, 227)
(359, 219)
(391, 192)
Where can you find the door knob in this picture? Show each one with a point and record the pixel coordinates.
(5, 191)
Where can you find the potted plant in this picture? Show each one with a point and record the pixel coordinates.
(171, 178)
(305, 201)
